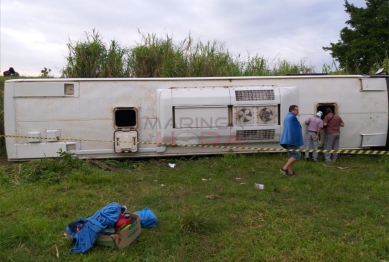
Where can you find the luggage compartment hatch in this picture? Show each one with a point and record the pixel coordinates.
(126, 141)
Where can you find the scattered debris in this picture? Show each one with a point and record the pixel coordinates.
(57, 252)
(343, 168)
(259, 186)
(205, 179)
(172, 165)
(212, 197)
(237, 178)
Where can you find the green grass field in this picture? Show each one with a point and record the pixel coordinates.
(335, 212)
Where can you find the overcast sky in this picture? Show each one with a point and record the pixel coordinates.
(35, 33)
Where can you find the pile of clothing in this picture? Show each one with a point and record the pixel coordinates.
(109, 220)
(84, 231)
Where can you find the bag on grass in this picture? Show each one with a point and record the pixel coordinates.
(147, 218)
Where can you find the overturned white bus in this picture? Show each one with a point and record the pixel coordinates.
(129, 117)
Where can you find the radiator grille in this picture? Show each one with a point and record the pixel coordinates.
(253, 95)
(245, 135)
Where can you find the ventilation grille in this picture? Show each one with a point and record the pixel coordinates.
(253, 95)
(267, 134)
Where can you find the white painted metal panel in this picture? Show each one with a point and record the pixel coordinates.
(40, 150)
(47, 89)
(53, 135)
(34, 137)
(373, 140)
(361, 123)
(373, 84)
(290, 95)
(204, 136)
(10, 120)
(201, 117)
(57, 110)
(215, 118)
(164, 123)
(93, 134)
(200, 96)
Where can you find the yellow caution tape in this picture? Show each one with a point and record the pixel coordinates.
(259, 149)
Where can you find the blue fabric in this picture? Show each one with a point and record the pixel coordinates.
(147, 218)
(92, 226)
(294, 154)
(292, 134)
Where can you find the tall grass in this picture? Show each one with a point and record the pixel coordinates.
(161, 57)
(212, 59)
(115, 61)
(155, 56)
(255, 65)
(92, 58)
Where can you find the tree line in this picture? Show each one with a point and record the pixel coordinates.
(364, 45)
